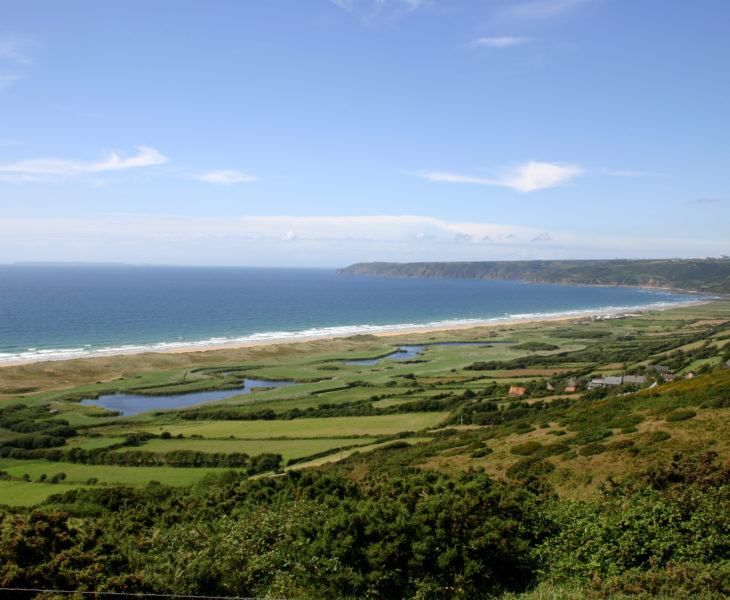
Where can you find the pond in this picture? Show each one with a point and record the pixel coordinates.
(406, 352)
(132, 404)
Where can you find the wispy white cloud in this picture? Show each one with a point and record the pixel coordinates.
(540, 175)
(14, 49)
(371, 10)
(504, 41)
(8, 80)
(40, 170)
(529, 177)
(413, 4)
(540, 9)
(543, 237)
(370, 4)
(225, 177)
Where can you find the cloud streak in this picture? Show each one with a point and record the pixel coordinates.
(370, 10)
(530, 177)
(505, 41)
(14, 50)
(40, 170)
(225, 177)
(541, 9)
(8, 80)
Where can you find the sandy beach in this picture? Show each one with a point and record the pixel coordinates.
(429, 330)
(382, 332)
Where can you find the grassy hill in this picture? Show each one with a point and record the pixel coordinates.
(699, 275)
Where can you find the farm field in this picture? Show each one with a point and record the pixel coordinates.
(104, 474)
(307, 428)
(290, 448)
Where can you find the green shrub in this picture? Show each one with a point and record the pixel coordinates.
(531, 466)
(625, 421)
(536, 346)
(553, 449)
(658, 436)
(526, 449)
(592, 449)
(481, 452)
(590, 435)
(680, 415)
(523, 428)
(620, 445)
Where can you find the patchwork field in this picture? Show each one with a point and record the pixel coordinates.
(450, 407)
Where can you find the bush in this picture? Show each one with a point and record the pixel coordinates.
(592, 450)
(526, 449)
(590, 436)
(620, 445)
(680, 415)
(481, 452)
(530, 467)
(553, 449)
(523, 428)
(658, 436)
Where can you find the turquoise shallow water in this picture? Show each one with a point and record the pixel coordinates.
(58, 312)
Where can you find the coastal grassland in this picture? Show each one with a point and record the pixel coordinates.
(303, 428)
(337, 410)
(125, 371)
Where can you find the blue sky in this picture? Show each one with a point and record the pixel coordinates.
(326, 132)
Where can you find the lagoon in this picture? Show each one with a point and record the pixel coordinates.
(132, 404)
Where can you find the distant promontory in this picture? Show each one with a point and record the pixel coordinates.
(705, 275)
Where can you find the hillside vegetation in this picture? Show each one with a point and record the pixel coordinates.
(699, 275)
(424, 477)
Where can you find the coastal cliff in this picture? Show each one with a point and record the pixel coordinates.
(709, 276)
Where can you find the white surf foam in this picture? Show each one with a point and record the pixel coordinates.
(86, 351)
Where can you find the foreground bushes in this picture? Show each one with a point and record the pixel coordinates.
(398, 534)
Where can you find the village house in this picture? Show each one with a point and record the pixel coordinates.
(516, 391)
(614, 380)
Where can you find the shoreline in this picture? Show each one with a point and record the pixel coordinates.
(378, 331)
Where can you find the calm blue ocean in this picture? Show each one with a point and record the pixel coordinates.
(58, 312)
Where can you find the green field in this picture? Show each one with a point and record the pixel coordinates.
(109, 474)
(306, 428)
(287, 448)
(22, 493)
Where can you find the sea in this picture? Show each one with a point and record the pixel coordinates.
(62, 312)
